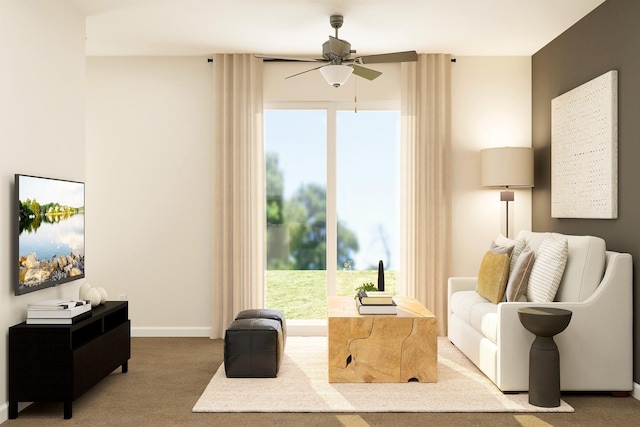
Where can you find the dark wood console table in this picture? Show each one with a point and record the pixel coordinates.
(57, 363)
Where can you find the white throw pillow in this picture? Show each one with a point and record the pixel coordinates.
(548, 268)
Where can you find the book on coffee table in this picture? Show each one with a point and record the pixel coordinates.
(375, 297)
(377, 308)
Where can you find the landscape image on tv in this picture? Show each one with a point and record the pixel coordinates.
(50, 243)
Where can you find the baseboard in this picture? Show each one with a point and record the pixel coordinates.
(169, 331)
(294, 328)
(636, 391)
(4, 410)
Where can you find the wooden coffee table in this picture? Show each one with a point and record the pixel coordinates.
(381, 348)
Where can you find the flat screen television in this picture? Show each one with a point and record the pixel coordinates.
(50, 233)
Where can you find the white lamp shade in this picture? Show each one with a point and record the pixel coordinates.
(336, 75)
(507, 167)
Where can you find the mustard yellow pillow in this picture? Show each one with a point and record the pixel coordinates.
(493, 276)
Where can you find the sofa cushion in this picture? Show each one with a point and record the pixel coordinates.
(548, 269)
(484, 319)
(519, 276)
(585, 264)
(477, 312)
(462, 301)
(493, 276)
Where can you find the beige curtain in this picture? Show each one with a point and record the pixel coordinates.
(425, 233)
(238, 199)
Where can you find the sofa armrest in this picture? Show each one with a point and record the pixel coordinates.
(602, 324)
(457, 284)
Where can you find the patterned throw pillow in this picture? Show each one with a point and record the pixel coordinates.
(493, 276)
(548, 268)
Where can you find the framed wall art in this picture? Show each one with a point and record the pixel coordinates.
(584, 150)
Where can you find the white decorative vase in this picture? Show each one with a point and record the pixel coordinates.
(93, 296)
(103, 294)
(83, 290)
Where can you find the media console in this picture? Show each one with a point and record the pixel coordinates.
(57, 363)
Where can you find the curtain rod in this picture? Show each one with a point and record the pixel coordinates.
(211, 59)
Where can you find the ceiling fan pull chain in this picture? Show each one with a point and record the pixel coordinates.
(355, 95)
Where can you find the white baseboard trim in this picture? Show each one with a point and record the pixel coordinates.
(304, 328)
(171, 331)
(636, 391)
(4, 410)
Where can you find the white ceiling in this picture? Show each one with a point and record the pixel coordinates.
(299, 27)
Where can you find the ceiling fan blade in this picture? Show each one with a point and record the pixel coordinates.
(408, 56)
(367, 73)
(297, 74)
(285, 58)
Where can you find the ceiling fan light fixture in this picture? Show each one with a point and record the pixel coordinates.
(336, 75)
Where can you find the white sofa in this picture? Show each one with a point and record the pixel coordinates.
(596, 349)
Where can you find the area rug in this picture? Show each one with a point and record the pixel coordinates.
(302, 386)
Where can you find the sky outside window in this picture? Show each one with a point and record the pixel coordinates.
(367, 189)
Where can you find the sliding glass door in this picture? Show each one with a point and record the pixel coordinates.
(331, 204)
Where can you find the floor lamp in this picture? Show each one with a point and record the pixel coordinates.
(507, 167)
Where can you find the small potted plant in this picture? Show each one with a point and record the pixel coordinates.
(365, 287)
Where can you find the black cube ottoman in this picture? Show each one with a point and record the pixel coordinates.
(253, 348)
(266, 313)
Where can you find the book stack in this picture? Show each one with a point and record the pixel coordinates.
(376, 302)
(57, 312)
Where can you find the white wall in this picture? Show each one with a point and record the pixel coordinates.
(149, 187)
(491, 107)
(42, 74)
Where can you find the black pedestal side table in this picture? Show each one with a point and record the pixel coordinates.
(544, 358)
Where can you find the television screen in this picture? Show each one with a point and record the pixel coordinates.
(50, 237)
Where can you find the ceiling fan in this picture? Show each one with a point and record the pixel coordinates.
(338, 64)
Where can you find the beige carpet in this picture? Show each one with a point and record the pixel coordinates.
(301, 386)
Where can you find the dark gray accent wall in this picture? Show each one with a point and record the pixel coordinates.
(606, 39)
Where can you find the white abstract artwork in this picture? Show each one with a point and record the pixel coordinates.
(584, 150)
